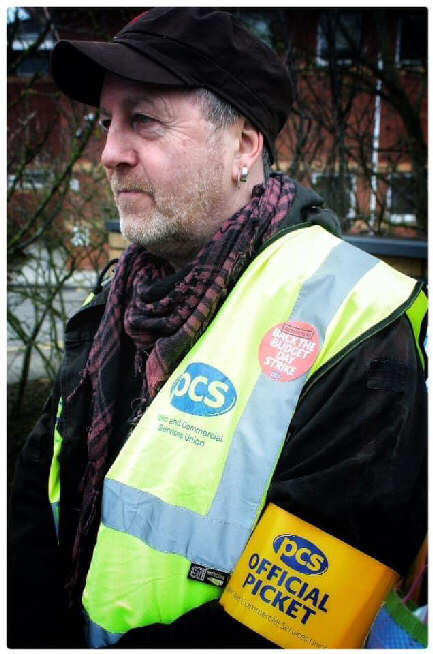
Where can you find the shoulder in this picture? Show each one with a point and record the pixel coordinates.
(385, 361)
(353, 462)
(94, 305)
(91, 310)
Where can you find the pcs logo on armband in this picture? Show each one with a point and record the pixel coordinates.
(280, 583)
(300, 554)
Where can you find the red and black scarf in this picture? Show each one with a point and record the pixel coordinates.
(163, 330)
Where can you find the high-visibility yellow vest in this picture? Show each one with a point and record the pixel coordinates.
(190, 482)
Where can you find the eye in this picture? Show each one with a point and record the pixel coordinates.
(105, 124)
(139, 120)
(146, 126)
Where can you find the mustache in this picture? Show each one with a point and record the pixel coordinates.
(123, 183)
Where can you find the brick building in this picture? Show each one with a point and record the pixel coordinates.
(357, 132)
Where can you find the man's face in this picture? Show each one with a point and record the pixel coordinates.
(169, 169)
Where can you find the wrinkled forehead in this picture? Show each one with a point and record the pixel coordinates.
(120, 92)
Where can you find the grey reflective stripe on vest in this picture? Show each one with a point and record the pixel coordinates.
(55, 507)
(97, 636)
(218, 538)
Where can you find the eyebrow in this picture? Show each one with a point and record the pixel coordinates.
(131, 101)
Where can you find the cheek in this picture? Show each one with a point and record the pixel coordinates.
(154, 162)
(182, 165)
(172, 165)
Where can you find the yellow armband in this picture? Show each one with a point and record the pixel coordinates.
(300, 587)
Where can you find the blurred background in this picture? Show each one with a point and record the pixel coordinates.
(356, 134)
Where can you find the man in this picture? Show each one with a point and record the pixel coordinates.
(242, 362)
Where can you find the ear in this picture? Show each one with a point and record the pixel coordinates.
(249, 147)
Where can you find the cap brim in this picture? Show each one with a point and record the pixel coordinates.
(78, 68)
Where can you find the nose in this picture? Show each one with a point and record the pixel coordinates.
(118, 150)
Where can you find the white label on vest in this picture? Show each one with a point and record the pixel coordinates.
(288, 350)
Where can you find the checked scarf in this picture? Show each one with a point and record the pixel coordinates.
(163, 330)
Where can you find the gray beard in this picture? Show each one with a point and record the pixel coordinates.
(178, 226)
(180, 222)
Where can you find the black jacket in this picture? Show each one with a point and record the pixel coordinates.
(353, 463)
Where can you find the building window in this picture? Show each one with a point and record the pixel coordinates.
(411, 41)
(37, 179)
(27, 30)
(24, 29)
(32, 180)
(401, 199)
(74, 184)
(80, 236)
(36, 63)
(339, 193)
(339, 36)
(258, 23)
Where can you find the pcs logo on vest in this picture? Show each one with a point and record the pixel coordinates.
(203, 390)
(300, 554)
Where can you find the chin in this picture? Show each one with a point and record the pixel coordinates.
(154, 234)
(166, 237)
(135, 229)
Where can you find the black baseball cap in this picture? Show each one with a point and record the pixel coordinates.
(183, 47)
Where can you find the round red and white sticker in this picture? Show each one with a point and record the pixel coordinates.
(288, 350)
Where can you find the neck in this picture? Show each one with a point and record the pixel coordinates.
(239, 198)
